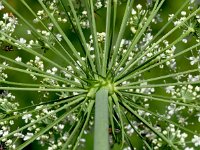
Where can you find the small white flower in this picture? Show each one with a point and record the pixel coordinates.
(28, 136)
(26, 117)
(188, 148)
(29, 32)
(183, 13)
(192, 1)
(37, 58)
(184, 40)
(61, 126)
(84, 12)
(22, 41)
(19, 135)
(139, 6)
(5, 133)
(133, 12)
(127, 148)
(59, 37)
(54, 69)
(40, 12)
(48, 71)
(5, 16)
(198, 115)
(82, 140)
(98, 4)
(196, 140)
(9, 142)
(133, 30)
(194, 60)
(170, 89)
(18, 59)
(1, 6)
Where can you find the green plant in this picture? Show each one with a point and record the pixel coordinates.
(127, 80)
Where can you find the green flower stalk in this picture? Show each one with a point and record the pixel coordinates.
(99, 74)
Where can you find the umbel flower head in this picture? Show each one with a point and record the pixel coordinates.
(122, 73)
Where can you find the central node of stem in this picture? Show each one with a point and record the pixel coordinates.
(98, 84)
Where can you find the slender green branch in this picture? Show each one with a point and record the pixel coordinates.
(135, 41)
(35, 33)
(131, 103)
(121, 31)
(40, 119)
(163, 118)
(38, 74)
(47, 104)
(43, 89)
(75, 127)
(163, 77)
(90, 10)
(44, 106)
(114, 18)
(133, 74)
(161, 99)
(47, 128)
(83, 40)
(159, 32)
(63, 34)
(111, 114)
(156, 85)
(119, 112)
(89, 110)
(27, 84)
(131, 63)
(108, 39)
(58, 42)
(31, 51)
(176, 27)
(138, 133)
(47, 75)
(169, 142)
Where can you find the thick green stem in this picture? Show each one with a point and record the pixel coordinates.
(101, 141)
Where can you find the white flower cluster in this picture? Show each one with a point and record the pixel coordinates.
(1, 6)
(196, 140)
(175, 135)
(37, 63)
(3, 76)
(186, 93)
(134, 20)
(8, 24)
(7, 106)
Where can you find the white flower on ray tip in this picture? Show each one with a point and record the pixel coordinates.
(198, 115)
(29, 32)
(196, 140)
(22, 41)
(26, 117)
(18, 59)
(139, 6)
(59, 37)
(5, 16)
(54, 69)
(28, 136)
(194, 60)
(1, 6)
(170, 89)
(188, 148)
(133, 12)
